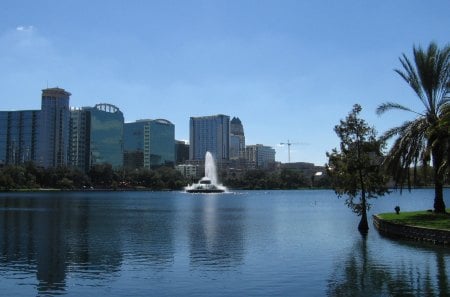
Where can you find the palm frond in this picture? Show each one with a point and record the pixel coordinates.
(409, 74)
(395, 131)
(426, 138)
(387, 106)
(408, 149)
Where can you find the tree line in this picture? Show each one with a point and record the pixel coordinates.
(284, 179)
(103, 176)
(100, 176)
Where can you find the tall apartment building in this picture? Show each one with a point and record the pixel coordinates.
(41, 136)
(237, 139)
(260, 156)
(96, 135)
(79, 149)
(54, 135)
(19, 135)
(149, 144)
(209, 133)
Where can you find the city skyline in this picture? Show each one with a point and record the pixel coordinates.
(289, 71)
(77, 115)
(59, 135)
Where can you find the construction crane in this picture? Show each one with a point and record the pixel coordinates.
(288, 143)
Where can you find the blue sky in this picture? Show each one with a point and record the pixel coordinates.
(290, 70)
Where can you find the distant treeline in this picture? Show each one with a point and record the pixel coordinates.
(103, 176)
(284, 179)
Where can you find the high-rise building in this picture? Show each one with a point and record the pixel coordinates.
(260, 156)
(237, 139)
(134, 137)
(96, 136)
(79, 148)
(54, 133)
(149, 144)
(19, 134)
(210, 133)
(106, 135)
(181, 151)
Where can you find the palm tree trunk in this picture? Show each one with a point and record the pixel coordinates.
(439, 204)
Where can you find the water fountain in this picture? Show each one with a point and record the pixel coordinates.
(208, 183)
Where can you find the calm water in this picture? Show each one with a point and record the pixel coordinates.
(275, 243)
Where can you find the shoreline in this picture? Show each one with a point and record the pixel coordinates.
(414, 233)
(138, 190)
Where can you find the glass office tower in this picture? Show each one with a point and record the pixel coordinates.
(106, 135)
(209, 133)
(237, 139)
(134, 143)
(162, 143)
(54, 134)
(149, 144)
(19, 134)
(96, 135)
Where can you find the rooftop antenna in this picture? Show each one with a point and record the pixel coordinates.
(289, 148)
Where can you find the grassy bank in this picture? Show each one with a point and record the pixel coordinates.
(420, 219)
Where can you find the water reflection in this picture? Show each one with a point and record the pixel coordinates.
(149, 232)
(364, 273)
(216, 232)
(53, 236)
(49, 239)
(443, 285)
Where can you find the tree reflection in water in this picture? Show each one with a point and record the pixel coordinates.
(362, 273)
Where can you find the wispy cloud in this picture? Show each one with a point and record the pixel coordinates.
(25, 28)
(24, 49)
(24, 38)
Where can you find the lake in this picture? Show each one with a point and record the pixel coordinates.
(244, 243)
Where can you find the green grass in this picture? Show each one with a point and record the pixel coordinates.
(420, 219)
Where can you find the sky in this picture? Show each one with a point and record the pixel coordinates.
(290, 70)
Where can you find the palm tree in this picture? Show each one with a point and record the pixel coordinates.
(426, 137)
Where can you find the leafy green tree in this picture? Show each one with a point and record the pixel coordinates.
(427, 135)
(355, 169)
(65, 183)
(292, 179)
(273, 181)
(79, 178)
(102, 175)
(6, 182)
(255, 179)
(171, 178)
(17, 174)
